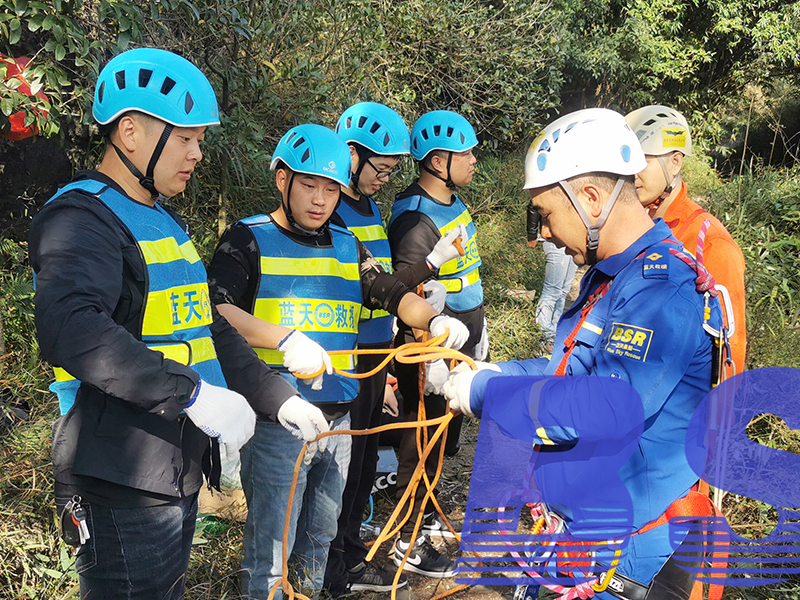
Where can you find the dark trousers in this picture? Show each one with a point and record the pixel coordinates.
(347, 550)
(408, 457)
(136, 553)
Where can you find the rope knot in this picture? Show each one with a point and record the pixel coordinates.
(706, 283)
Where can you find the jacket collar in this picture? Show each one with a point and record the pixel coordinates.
(612, 265)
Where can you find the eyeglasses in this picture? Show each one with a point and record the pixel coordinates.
(383, 175)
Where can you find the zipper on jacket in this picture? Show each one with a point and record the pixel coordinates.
(176, 483)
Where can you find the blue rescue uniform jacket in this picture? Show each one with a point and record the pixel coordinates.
(646, 330)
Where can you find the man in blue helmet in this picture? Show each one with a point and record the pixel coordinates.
(423, 214)
(642, 316)
(123, 311)
(294, 285)
(378, 138)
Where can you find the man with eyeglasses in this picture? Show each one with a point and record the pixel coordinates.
(426, 212)
(377, 138)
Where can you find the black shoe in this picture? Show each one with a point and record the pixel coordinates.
(434, 526)
(424, 559)
(369, 577)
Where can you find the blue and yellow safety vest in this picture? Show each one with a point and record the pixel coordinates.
(177, 310)
(459, 276)
(314, 290)
(375, 326)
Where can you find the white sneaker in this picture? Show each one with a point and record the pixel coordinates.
(434, 526)
(424, 559)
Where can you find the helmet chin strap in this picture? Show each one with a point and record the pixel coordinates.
(362, 160)
(147, 181)
(448, 182)
(592, 229)
(287, 210)
(670, 186)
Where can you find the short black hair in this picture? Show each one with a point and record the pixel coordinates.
(426, 160)
(365, 153)
(109, 128)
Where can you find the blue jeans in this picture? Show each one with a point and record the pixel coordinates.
(559, 272)
(136, 553)
(268, 461)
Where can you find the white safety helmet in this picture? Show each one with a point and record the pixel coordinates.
(661, 130)
(593, 140)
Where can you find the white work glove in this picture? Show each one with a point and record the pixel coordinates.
(229, 477)
(435, 294)
(456, 391)
(458, 331)
(457, 388)
(445, 250)
(437, 373)
(220, 413)
(305, 422)
(303, 355)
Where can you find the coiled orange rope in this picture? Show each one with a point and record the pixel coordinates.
(415, 352)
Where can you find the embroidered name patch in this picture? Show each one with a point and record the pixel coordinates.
(629, 341)
(655, 266)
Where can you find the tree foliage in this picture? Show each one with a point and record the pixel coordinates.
(696, 55)
(508, 65)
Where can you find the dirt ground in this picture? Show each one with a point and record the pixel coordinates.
(453, 488)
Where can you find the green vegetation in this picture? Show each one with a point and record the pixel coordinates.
(509, 65)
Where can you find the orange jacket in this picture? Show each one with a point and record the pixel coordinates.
(721, 255)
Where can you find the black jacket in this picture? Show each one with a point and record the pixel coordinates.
(125, 434)
(412, 237)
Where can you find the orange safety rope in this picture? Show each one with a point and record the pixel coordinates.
(415, 352)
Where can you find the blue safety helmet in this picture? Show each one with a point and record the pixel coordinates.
(313, 150)
(158, 83)
(373, 129)
(441, 130)
(376, 127)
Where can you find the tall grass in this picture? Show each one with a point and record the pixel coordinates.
(762, 213)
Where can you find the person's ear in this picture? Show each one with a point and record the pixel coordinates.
(281, 179)
(593, 199)
(128, 131)
(438, 163)
(676, 163)
(353, 158)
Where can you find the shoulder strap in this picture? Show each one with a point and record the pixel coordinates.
(341, 230)
(570, 341)
(688, 221)
(89, 187)
(256, 220)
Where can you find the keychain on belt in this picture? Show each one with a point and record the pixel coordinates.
(74, 530)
